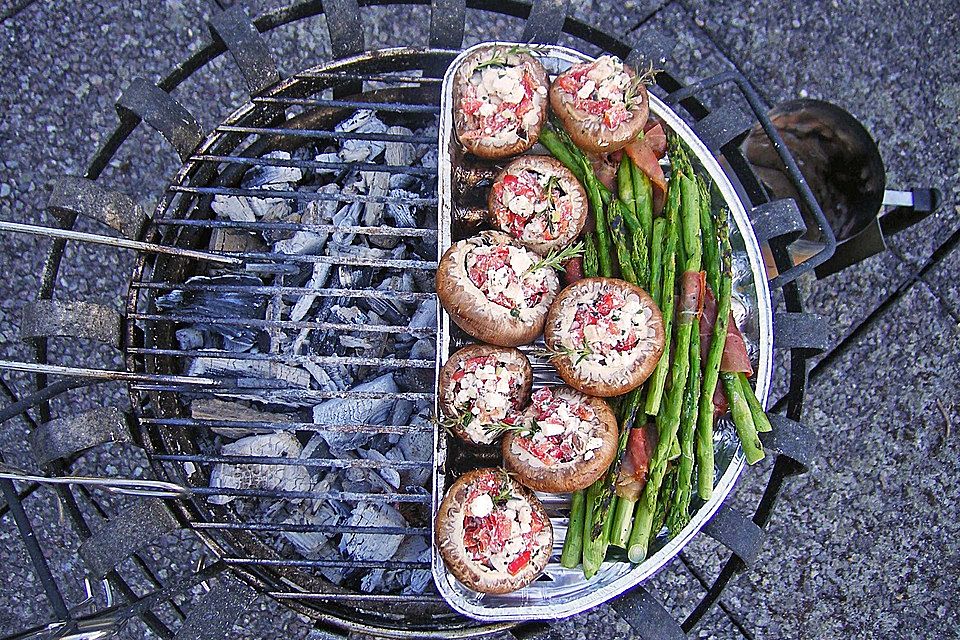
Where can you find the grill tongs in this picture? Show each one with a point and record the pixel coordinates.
(127, 486)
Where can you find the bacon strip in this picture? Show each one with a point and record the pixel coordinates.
(692, 287)
(636, 461)
(735, 356)
(646, 152)
(573, 270)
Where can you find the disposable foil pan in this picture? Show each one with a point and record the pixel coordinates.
(562, 592)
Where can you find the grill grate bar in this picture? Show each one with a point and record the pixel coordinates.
(295, 359)
(399, 232)
(285, 324)
(316, 164)
(307, 395)
(285, 426)
(332, 463)
(329, 135)
(339, 564)
(368, 77)
(402, 296)
(397, 107)
(341, 496)
(305, 196)
(357, 597)
(310, 528)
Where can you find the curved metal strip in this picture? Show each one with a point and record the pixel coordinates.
(777, 219)
(447, 19)
(48, 318)
(736, 532)
(647, 616)
(791, 439)
(800, 331)
(74, 196)
(343, 23)
(249, 50)
(213, 617)
(545, 23)
(64, 437)
(722, 126)
(157, 108)
(141, 522)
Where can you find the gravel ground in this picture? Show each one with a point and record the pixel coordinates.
(864, 546)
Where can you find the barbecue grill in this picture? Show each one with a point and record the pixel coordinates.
(186, 247)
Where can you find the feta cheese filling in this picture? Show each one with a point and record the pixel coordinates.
(538, 206)
(503, 275)
(498, 101)
(501, 530)
(563, 430)
(486, 391)
(607, 329)
(602, 89)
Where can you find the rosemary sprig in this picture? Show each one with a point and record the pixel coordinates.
(646, 78)
(521, 429)
(499, 58)
(555, 259)
(577, 355)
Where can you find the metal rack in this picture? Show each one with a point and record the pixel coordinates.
(238, 577)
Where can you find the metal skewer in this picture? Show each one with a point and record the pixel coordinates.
(125, 486)
(120, 243)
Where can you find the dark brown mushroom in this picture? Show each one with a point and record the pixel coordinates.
(489, 287)
(603, 105)
(569, 439)
(539, 202)
(500, 101)
(605, 336)
(506, 559)
(473, 396)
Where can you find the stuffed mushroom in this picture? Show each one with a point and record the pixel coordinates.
(603, 104)
(539, 202)
(482, 391)
(493, 534)
(564, 441)
(500, 101)
(495, 289)
(605, 336)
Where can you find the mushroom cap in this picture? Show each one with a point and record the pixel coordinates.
(587, 375)
(579, 473)
(449, 532)
(588, 131)
(511, 358)
(470, 309)
(487, 146)
(548, 166)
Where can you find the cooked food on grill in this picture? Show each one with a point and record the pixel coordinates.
(605, 336)
(492, 532)
(482, 390)
(563, 441)
(539, 202)
(603, 104)
(500, 101)
(495, 289)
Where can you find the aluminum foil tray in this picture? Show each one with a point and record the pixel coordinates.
(562, 592)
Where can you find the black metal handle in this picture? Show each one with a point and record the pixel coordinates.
(925, 202)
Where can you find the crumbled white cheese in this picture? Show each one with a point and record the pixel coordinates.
(481, 506)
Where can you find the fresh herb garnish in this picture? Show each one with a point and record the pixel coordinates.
(555, 259)
(645, 79)
(522, 429)
(577, 355)
(499, 57)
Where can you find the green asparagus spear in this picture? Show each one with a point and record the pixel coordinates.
(594, 549)
(559, 150)
(711, 369)
(625, 185)
(711, 249)
(618, 232)
(643, 196)
(573, 542)
(656, 259)
(657, 382)
(756, 410)
(679, 512)
(591, 266)
(742, 420)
